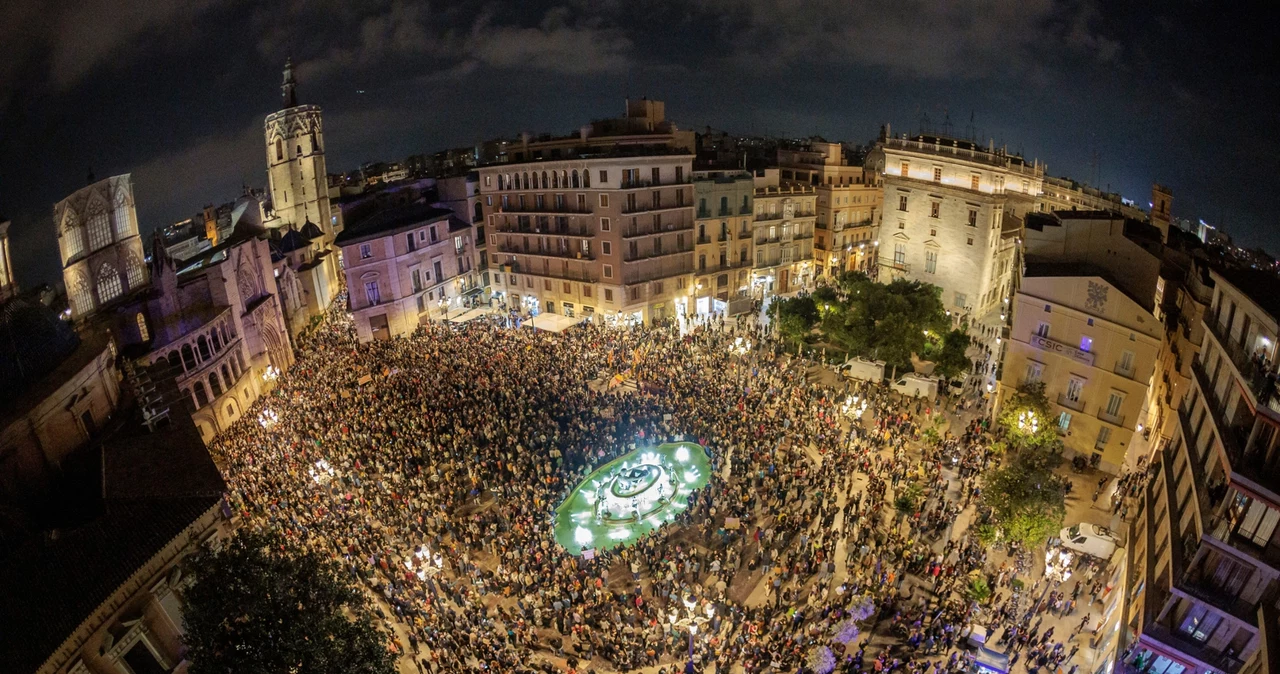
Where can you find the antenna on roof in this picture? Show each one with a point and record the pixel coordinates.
(946, 122)
(924, 123)
(970, 132)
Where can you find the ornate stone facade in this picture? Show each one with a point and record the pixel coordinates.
(102, 257)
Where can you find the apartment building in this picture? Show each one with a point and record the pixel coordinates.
(1205, 541)
(1184, 335)
(943, 220)
(849, 201)
(609, 234)
(1094, 346)
(723, 250)
(1064, 194)
(785, 218)
(405, 265)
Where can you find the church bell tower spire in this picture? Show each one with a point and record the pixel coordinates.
(287, 89)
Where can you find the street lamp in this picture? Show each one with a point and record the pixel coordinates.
(691, 623)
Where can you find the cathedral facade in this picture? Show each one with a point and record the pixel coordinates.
(102, 257)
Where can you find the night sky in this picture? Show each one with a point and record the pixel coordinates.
(175, 92)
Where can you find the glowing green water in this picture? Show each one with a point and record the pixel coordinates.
(576, 526)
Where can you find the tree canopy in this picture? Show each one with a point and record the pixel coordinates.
(258, 605)
(1025, 495)
(885, 321)
(796, 316)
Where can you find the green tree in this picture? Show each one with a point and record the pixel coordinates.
(885, 321)
(259, 605)
(1027, 419)
(1026, 497)
(795, 316)
(977, 588)
(949, 354)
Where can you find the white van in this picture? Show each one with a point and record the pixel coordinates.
(916, 386)
(1090, 539)
(863, 370)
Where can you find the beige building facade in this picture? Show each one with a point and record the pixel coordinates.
(785, 222)
(850, 198)
(1094, 348)
(609, 237)
(1206, 534)
(723, 254)
(943, 214)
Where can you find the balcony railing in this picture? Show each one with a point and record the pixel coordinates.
(632, 209)
(638, 183)
(550, 231)
(1260, 380)
(662, 253)
(744, 234)
(1126, 372)
(560, 254)
(703, 213)
(1195, 649)
(1202, 589)
(1077, 404)
(1117, 419)
(667, 227)
(552, 209)
(890, 263)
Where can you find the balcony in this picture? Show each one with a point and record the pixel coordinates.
(632, 209)
(558, 254)
(580, 230)
(656, 255)
(1077, 404)
(1179, 642)
(1223, 529)
(744, 234)
(667, 227)
(703, 214)
(1104, 415)
(1199, 482)
(545, 209)
(761, 240)
(626, 184)
(764, 217)
(1202, 589)
(1234, 439)
(890, 263)
(704, 240)
(1126, 372)
(1259, 380)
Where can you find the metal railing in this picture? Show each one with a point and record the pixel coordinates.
(1077, 404)
(1104, 415)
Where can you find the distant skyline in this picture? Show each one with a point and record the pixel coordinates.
(175, 93)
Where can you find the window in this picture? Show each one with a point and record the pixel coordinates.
(109, 286)
(143, 333)
(606, 248)
(586, 247)
(899, 253)
(1043, 329)
(902, 224)
(416, 275)
(934, 207)
(933, 231)
(973, 218)
(608, 294)
(410, 242)
(906, 169)
(431, 232)
(1034, 371)
(1259, 521)
(608, 271)
(604, 177)
(1113, 404)
(657, 287)
(1104, 436)
(435, 267)
(969, 240)
(1126, 362)
(1075, 386)
(902, 202)
(1064, 422)
(458, 244)
(371, 292)
(937, 174)
(974, 181)
(604, 225)
(604, 201)
(962, 300)
(1086, 343)
(133, 270)
(366, 251)
(99, 229)
(930, 262)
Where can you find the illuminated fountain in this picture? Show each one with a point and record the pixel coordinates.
(631, 496)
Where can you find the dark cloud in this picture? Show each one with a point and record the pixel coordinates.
(176, 92)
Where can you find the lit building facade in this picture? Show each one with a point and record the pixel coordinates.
(785, 221)
(723, 254)
(8, 285)
(102, 256)
(849, 201)
(405, 265)
(943, 215)
(1095, 349)
(589, 236)
(1205, 538)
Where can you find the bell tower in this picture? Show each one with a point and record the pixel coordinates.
(295, 162)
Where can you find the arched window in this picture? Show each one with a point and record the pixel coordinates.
(133, 270)
(109, 286)
(555, 179)
(202, 398)
(175, 361)
(279, 150)
(586, 178)
(564, 178)
(202, 344)
(299, 151)
(526, 180)
(123, 226)
(188, 357)
(216, 340)
(143, 333)
(99, 228)
(544, 180)
(575, 178)
(214, 384)
(226, 374)
(479, 213)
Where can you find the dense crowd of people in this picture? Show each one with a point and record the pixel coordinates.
(431, 467)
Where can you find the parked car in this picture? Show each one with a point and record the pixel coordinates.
(863, 370)
(1090, 539)
(956, 386)
(916, 386)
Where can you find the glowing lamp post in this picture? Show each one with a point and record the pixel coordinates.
(691, 623)
(1028, 422)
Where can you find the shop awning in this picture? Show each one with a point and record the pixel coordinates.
(553, 322)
